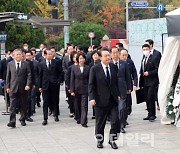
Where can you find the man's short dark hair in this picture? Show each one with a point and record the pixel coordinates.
(29, 51)
(103, 49)
(114, 47)
(145, 45)
(123, 49)
(120, 45)
(151, 42)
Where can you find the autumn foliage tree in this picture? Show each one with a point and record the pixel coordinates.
(43, 9)
(113, 14)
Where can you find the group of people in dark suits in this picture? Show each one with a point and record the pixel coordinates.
(106, 76)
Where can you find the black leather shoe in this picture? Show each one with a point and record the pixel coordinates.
(56, 119)
(122, 130)
(85, 125)
(147, 118)
(11, 124)
(29, 119)
(113, 145)
(127, 123)
(23, 123)
(152, 118)
(44, 122)
(93, 117)
(78, 122)
(99, 145)
(71, 115)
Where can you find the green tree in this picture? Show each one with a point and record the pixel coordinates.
(22, 6)
(79, 34)
(19, 34)
(16, 35)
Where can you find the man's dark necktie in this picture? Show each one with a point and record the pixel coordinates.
(18, 68)
(116, 64)
(144, 64)
(49, 65)
(108, 75)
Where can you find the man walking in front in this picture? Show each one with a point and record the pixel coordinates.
(103, 94)
(18, 82)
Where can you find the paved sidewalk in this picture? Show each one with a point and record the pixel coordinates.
(66, 136)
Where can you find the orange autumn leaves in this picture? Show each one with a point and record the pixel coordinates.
(112, 13)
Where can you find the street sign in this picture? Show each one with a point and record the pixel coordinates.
(91, 35)
(3, 37)
(139, 4)
(160, 7)
(22, 16)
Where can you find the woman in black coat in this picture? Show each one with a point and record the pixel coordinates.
(79, 89)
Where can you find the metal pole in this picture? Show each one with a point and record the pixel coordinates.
(91, 41)
(66, 17)
(127, 19)
(159, 11)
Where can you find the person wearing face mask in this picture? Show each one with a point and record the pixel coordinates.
(25, 46)
(149, 80)
(157, 54)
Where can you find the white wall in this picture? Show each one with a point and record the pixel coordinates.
(141, 30)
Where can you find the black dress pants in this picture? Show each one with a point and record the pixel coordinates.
(51, 98)
(150, 97)
(101, 116)
(81, 108)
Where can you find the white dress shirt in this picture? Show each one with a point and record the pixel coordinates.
(16, 63)
(104, 68)
(81, 69)
(47, 63)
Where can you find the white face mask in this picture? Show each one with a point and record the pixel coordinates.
(146, 53)
(89, 50)
(25, 47)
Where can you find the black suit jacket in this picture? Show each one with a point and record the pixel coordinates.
(151, 67)
(32, 72)
(79, 81)
(124, 80)
(36, 71)
(3, 68)
(99, 89)
(53, 75)
(133, 73)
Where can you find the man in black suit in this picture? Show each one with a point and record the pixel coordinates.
(3, 71)
(18, 82)
(103, 94)
(36, 81)
(157, 54)
(53, 50)
(50, 78)
(149, 80)
(65, 64)
(28, 58)
(133, 78)
(124, 85)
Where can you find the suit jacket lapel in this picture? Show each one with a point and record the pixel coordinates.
(149, 59)
(14, 65)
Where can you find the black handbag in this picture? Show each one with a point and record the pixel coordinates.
(140, 98)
